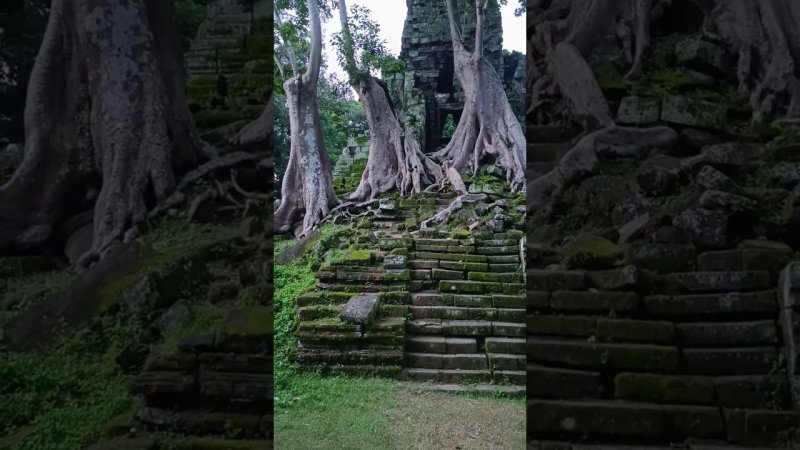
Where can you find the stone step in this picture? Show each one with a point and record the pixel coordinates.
(621, 420)
(590, 355)
(448, 376)
(602, 328)
(334, 357)
(752, 305)
(498, 301)
(476, 389)
(546, 152)
(551, 382)
(750, 391)
(727, 281)
(457, 361)
(724, 334)
(554, 280)
(465, 328)
(506, 361)
(204, 422)
(457, 313)
(506, 345)
(772, 260)
(440, 344)
(729, 361)
(480, 287)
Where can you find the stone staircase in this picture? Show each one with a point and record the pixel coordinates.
(467, 314)
(217, 386)
(450, 305)
(654, 354)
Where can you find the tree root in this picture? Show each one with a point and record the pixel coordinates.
(457, 204)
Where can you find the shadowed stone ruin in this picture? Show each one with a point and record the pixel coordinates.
(660, 274)
(429, 88)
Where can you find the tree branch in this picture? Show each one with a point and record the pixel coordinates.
(455, 28)
(347, 42)
(315, 54)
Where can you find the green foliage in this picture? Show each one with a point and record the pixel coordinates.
(449, 127)
(292, 280)
(63, 397)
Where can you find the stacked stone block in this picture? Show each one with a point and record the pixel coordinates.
(216, 386)
(546, 145)
(657, 359)
(467, 313)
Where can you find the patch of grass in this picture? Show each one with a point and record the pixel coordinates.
(336, 412)
(21, 292)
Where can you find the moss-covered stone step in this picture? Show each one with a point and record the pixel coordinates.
(390, 357)
(447, 375)
(441, 256)
(203, 422)
(477, 389)
(465, 328)
(383, 286)
(595, 301)
(727, 281)
(506, 345)
(553, 382)
(582, 354)
(756, 391)
(770, 259)
(710, 334)
(554, 280)
(236, 385)
(602, 328)
(480, 287)
(504, 277)
(445, 242)
(761, 304)
(618, 419)
(399, 297)
(507, 361)
(441, 344)
(461, 313)
(363, 370)
(461, 361)
(729, 361)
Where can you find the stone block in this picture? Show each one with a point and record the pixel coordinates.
(682, 110)
(730, 281)
(635, 357)
(713, 306)
(729, 361)
(553, 280)
(593, 301)
(710, 334)
(550, 382)
(635, 110)
(654, 388)
(361, 310)
(628, 330)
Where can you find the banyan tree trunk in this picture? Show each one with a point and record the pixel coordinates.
(488, 125)
(307, 188)
(395, 160)
(106, 123)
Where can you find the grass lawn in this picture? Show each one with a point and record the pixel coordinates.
(348, 413)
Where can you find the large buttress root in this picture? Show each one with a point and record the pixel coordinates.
(106, 124)
(395, 160)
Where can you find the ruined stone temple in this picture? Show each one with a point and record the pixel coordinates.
(429, 88)
(662, 285)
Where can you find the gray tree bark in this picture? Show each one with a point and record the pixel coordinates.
(307, 188)
(488, 125)
(107, 126)
(395, 160)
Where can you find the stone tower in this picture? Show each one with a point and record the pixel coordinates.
(430, 90)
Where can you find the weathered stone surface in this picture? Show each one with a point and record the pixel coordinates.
(755, 391)
(624, 278)
(729, 361)
(703, 55)
(662, 258)
(700, 282)
(627, 330)
(552, 280)
(727, 157)
(593, 301)
(758, 426)
(708, 334)
(597, 417)
(361, 310)
(696, 113)
(660, 175)
(772, 260)
(476, 287)
(711, 178)
(725, 201)
(693, 421)
(708, 228)
(638, 357)
(712, 305)
(537, 299)
(785, 174)
(588, 251)
(394, 262)
(549, 382)
(444, 274)
(664, 388)
(551, 325)
(638, 110)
